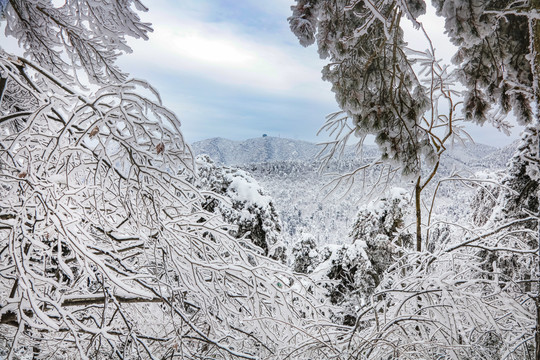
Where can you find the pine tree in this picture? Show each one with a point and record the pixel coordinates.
(351, 272)
(243, 203)
(494, 40)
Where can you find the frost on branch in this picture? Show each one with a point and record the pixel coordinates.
(84, 34)
(444, 306)
(105, 247)
(303, 22)
(494, 54)
(515, 211)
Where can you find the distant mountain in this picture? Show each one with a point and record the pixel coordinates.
(271, 149)
(500, 157)
(258, 150)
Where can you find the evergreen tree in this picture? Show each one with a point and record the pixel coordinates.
(499, 62)
(513, 209)
(243, 203)
(381, 226)
(495, 59)
(305, 255)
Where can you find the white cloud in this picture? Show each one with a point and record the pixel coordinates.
(184, 42)
(434, 27)
(212, 52)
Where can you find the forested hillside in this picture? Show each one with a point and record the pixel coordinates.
(271, 149)
(303, 198)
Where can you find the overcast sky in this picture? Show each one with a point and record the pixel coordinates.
(233, 69)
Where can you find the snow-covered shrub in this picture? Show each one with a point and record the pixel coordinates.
(242, 202)
(344, 270)
(381, 226)
(305, 255)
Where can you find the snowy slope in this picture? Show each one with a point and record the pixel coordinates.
(256, 150)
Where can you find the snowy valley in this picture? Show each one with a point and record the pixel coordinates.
(289, 172)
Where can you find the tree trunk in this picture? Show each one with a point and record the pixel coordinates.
(535, 27)
(417, 192)
(3, 82)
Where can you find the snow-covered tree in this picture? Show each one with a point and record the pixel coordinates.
(499, 62)
(522, 178)
(381, 226)
(305, 255)
(484, 201)
(496, 41)
(242, 202)
(371, 76)
(79, 34)
(105, 246)
(345, 271)
(512, 214)
(106, 249)
(410, 109)
(352, 272)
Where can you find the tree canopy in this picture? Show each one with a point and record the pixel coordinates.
(495, 41)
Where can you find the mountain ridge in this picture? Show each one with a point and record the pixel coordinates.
(277, 149)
